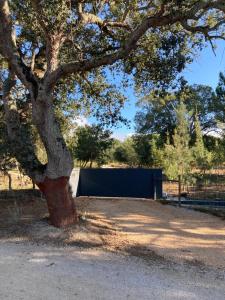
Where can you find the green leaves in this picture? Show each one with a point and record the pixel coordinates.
(158, 109)
(202, 157)
(177, 156)
(90, 144)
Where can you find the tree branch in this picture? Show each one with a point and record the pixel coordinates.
(88, 18)
(8, 49)
(129, 45)
(40, 16)
(18, 134)
(53, 40)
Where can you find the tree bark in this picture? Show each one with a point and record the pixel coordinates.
(53, 178)
(60, 163)
(54, 182)
(33, 184)
(10, 181)
(60, 203)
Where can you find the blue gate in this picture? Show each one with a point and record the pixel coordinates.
(137, 183)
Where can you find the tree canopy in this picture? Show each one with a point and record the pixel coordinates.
(157, 112)
(91, 144)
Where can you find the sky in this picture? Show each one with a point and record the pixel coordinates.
(204, 70)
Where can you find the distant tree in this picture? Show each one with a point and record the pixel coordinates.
(219, 102)
(216, 145)
(91, 144)
(202, 157)
(121, 154)
(156, 151)
(177, 156)
(218, 152)
(125, 153)
(158, 110)
(211, 142)
(144, 146)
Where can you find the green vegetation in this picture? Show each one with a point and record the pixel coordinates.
(182, 120)
(7, 162)
(90, 145)
(177, 156)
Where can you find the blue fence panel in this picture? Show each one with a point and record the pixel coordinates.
(137, 183)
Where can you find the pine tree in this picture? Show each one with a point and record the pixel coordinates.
(202, 156)
(178, 155)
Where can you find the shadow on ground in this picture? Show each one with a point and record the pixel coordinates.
(145, 229)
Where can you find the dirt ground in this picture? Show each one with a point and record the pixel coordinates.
(173, 232)
(121, 249)
(137, 227)
(41, 272)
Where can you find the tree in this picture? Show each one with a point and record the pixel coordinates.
(177, 157)
(218, 153)
(156, 151)
(121, 154)
(125, 153)
(158, 110)
(50, 44)
(220, 98)
(202, 156)
(142, 144)
(91, 144)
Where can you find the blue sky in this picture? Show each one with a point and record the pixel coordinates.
(204, 70)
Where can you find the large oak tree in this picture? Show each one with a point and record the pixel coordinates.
(45, 42)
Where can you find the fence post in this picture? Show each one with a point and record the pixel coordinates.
(179, 192)
(154, 186)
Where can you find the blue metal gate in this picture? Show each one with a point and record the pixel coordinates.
(137, 183)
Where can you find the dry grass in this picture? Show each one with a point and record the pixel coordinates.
(19, 181)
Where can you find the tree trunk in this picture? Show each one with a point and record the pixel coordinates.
(54, 183)
(53, 178)
(60, 203)
(33, 184)
(10, 181)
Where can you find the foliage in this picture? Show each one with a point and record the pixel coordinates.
(158, 110)
(125, 153)
(139, 150)
(177, 157)
(143, 145)
(220, 98)
(202, 157)
(91, 144)
(156, 151)
(218, 153)
(7, 162)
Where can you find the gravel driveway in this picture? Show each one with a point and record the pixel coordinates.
(42, 272)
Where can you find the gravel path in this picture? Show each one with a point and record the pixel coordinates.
(41, 273)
